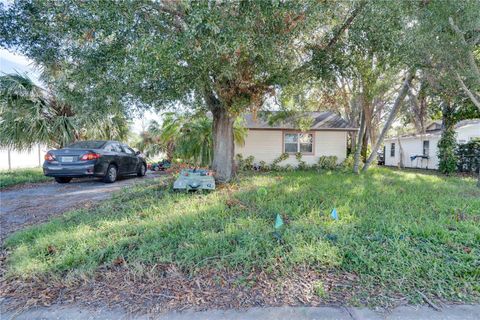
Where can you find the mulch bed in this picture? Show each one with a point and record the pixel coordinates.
(160, 288)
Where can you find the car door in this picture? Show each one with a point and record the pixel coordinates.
(131, 159)
(120, 158)
(109, 155)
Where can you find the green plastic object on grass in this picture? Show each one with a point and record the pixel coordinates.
(278, 222)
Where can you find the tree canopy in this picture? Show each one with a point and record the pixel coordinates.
(222, 56)
(228, 57)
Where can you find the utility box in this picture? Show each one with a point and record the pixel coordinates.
(194, 179)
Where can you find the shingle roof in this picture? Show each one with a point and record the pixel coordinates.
(321, 121)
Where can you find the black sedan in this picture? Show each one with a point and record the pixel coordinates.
(105, 159)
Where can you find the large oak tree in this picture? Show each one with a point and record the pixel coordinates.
(223, 57)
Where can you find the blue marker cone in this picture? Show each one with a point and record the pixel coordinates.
(278, 222)
(334, 214)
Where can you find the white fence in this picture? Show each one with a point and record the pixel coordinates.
(12, 159)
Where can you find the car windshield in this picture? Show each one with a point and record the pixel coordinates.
(87, 145)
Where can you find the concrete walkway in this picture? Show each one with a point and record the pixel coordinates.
(460, 312)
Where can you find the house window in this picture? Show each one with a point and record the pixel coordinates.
(298, 142)
(392, 150)
(426, 148)
(291, 142)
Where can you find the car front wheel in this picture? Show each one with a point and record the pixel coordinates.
(63, 179)
(142, 170)
(111, 174)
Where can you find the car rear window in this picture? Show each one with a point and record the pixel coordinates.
(87, 145)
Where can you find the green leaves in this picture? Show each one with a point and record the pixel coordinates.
(189, 137)
(31, 115)
(162, 54)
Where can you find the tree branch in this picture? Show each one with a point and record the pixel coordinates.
(471, 58)
(325, 47)
(346, 24)
(391, 117)
(167, 7)
(470, 94)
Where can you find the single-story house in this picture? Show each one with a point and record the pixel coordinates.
(420, 150)
(327, 136)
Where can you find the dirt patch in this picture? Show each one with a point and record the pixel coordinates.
(26, 185)
(160, 288)
(37, 203)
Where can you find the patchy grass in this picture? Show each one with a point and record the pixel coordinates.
(400, 232)
(14, 177)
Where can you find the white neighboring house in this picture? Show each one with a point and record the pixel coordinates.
(420, 150)
(14, 159)
(326, 137)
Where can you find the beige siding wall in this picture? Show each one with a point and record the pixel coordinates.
(267, 145)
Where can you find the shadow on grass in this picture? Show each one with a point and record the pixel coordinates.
(397, 231)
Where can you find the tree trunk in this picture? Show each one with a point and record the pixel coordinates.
(364, 152)
(391, 117)
(223, 145)
(358, 149)
(353, 141)
(400, 149)
(170, 150)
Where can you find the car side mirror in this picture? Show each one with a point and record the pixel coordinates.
(137, 153)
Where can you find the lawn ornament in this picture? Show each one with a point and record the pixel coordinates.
(194, 179)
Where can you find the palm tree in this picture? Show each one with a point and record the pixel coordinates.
(150, 143)
(30, 114)
(110, 126)
(188, 137)
(195, 142)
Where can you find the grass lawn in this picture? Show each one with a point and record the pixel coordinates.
(399, 232)
(14, 177)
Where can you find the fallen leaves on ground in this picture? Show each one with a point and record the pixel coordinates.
(165, 287)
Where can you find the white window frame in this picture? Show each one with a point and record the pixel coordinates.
(298, 133)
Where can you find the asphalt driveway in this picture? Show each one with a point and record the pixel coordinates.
(23, 206)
